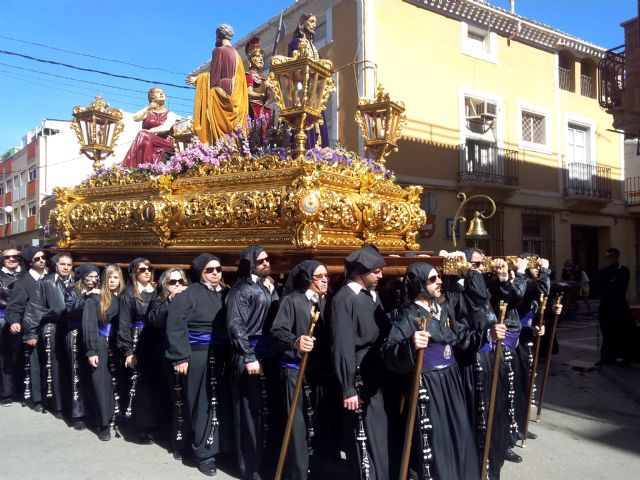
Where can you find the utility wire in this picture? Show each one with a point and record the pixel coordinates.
(93, 56)
(87, 81)
(53, 62)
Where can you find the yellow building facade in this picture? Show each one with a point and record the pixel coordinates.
(497, 104)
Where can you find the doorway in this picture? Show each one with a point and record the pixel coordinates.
(585, 248)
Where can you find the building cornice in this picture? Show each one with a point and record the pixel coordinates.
(511, 25)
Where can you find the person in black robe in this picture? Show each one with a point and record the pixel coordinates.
(254, 381)
(303, 294)
(172, 281)
(137, 341)
(53, 334)
(198, 348)
(359, 325)
(99, 333)
(9, 339)
(442, 425)
(26, 307)
(75, 297)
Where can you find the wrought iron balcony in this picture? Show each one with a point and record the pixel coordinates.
(587, 86)
(632, 191)
(483, 162)
(566, 79)
(586, 180)
(612, 78)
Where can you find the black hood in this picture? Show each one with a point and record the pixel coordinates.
(84, 270)
(198, 264)
(248, 261)
(363, 260)
(301, 277)
(415, 280)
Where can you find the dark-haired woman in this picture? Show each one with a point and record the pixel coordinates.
(136, 341)
(99, 329)
(87, 280)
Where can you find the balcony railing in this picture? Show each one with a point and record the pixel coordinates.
(587, 87)
(587, 180)
(566, 79)
(612, 78)
(483, 162)
(632, 191)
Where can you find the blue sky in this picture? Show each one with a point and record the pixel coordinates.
(173, 36)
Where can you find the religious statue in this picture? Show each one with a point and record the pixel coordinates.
(256, 81)
(306, 29)
(153, 141)
(221, 103)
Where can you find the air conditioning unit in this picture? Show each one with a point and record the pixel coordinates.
(487, 110)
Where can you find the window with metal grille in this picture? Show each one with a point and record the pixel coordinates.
(534, 128)
(537, 233)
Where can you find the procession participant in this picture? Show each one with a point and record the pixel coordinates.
(153, 142)
(359, 325)
(53, 332)
(442, 425)
(198, 349)
(75, 297)
(9, 339)
(221, 99)
(614, 316)
(249, 306)
(99, 331)
(304, 293)
(538, 283)
(172, 281)
(256, 81)
(25, 310)
(135, 341)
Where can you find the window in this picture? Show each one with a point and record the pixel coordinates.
(33, 173)
(479, 43)
(32, 209)
(537, 233)
(533, 128)
(8, 217)
(1, 188)
(577, 144)
(480, 117)
(9, 185)
(566, 69)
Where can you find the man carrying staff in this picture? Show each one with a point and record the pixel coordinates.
(9, 338)
(25, 310)
(197, 347)
(303, 294)
(249, 305)
(358, 328)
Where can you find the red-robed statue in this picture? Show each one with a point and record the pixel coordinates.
(221, 102)
(153, 141)
(256, 82)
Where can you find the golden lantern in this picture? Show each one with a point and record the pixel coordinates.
(381, 121)
(476, 225)
(301, 86)
(97, 128)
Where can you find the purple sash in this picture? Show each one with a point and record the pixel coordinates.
(437, 356)
(2, 313)
(199, 339)
(104, 329)
(261, 346)
(510, 341)
(288, 363)
(138, 322)
(527, 320)
(74, 325)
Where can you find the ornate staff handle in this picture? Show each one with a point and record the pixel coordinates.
(492, 395)
(315, 314)
(415, 389)
(534, 368)
(547, 365)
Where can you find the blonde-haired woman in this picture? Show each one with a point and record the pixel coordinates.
(99, 329)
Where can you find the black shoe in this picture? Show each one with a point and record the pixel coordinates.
(208, 467)
(104, 434)
(145, 438)
(6, 402)
(57, 414)
(531, 436)
(177, 455)
(79, 425)
(513, 456)
(37, 407)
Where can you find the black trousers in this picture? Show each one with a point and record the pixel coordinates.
(102, 383)
(9, 362)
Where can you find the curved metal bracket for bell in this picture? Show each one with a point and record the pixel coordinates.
(476, 226)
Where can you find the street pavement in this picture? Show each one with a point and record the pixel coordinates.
(590, 430)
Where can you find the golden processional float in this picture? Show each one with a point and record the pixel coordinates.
(296, 203)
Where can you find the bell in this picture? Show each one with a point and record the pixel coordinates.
(476, 227)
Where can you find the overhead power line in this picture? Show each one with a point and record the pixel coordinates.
(93, 56)
(53, 62)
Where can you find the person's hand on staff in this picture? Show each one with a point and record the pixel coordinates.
(304, 343)
(538, 330)
(498, 331)
(421, 339)
(557, 309)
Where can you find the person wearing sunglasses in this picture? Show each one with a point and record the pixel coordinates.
(198, 350)
(303, 295)
(9, 341)
(358, 327)
(25, 309)
(87, 282)
(136, 345)
(53, 330)
(99, 328)
(171, 282)
(254, 374)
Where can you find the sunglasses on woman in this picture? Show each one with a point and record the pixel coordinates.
(210, 270)
(176, 281)
(10, 257)
(144, 269)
